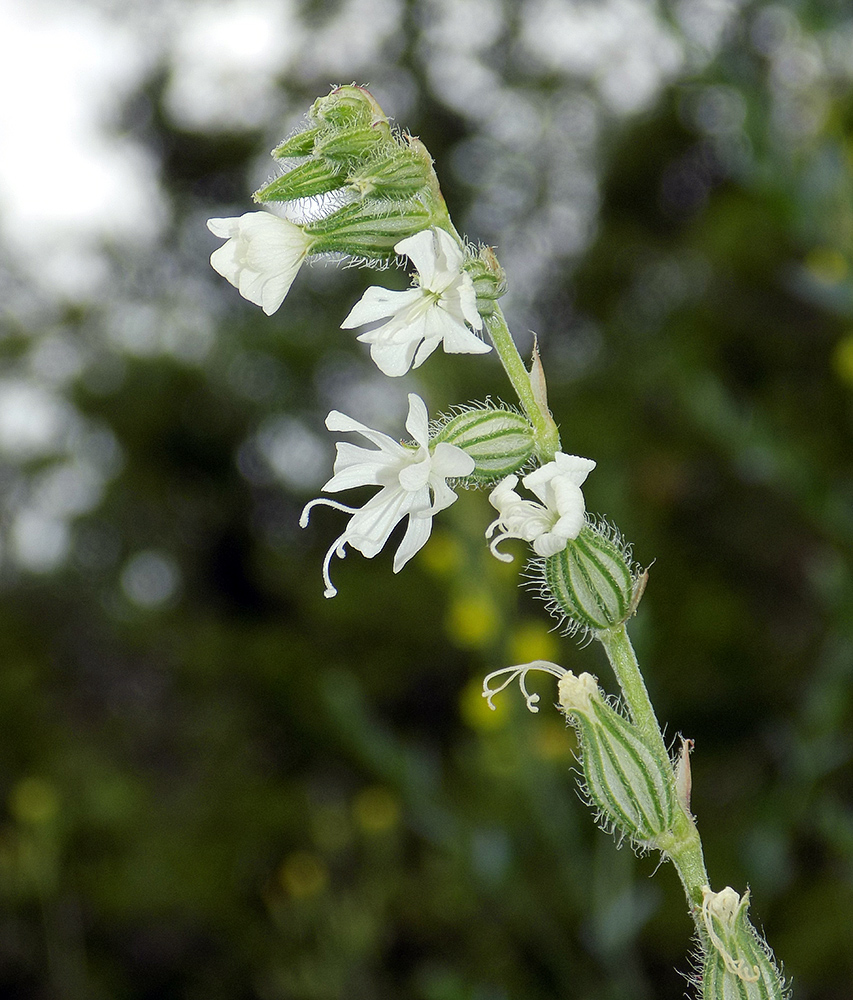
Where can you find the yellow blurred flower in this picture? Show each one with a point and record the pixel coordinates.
(472, 620)
(303, 874)
(376, 810)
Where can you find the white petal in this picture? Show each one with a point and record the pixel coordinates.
(451, 462)
(393, 360)
(415, 476)
(420, 249)
(443, 496)
(426, 348)
(356, 467)
(370, 527)
(262, 256)
(226, 228)
(450, 254)
(337, 421)
(549, 544)
(417, 422)
(456, 337)
(415, 538)
(575, 468)
(468, 302)
(380, 303)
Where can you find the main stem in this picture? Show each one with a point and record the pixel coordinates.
(682, 843)
(547, 435)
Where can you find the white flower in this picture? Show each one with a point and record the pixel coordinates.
(413, 481)
(262, 256)
(548, 525)
(434, 311)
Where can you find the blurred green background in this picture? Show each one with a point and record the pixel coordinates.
(217, 784)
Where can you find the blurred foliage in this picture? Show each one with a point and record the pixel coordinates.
(243, 790)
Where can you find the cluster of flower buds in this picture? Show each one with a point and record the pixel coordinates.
(737, 963)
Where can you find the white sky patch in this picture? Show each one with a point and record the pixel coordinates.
(621, 45)
(227, 58)
(66, 184)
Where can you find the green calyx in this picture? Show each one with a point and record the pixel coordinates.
(592, 582)
(489, 279)
(632, 789)
(499, 440)
(364, 230)
(736, 962)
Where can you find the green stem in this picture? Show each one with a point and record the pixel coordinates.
(623, 659)
(682, 843)
(546, 434)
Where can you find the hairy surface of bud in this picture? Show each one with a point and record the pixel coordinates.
(499, 440)
(365, 229)
(632, 789)
(397, 175)
(305, 181)
(591, 581)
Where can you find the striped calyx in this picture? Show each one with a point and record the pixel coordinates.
(499, 440)
(633, 791)
(591, 582)
(737, 964)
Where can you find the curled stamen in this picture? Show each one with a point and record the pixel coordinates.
(323, 502)
(520, 671)
(493, 545)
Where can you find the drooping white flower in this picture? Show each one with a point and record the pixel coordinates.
(413, 481)
(435, 311)
(548, 525)
(262, 256)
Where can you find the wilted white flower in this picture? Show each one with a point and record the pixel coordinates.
(413, 481)
(433, 312)
(262, 256)
(548, 525)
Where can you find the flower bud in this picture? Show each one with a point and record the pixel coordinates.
(489, 279)
(305, 181)
(397, 175)
(632, 789)
(367, 230)
(299, 144)
(350, 145)
(737, 963)
(499, 440)
(347, 106)
(591, 581)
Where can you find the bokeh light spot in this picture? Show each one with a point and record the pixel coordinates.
(472, 621)
(532, 640)
(475, 710)
(441, 555)
(303, 874)
(827, 265)
(33, 800)
(150, 578)
(554, 741)
(376, 810)
(842, 359)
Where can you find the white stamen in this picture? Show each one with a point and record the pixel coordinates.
(520, 671)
